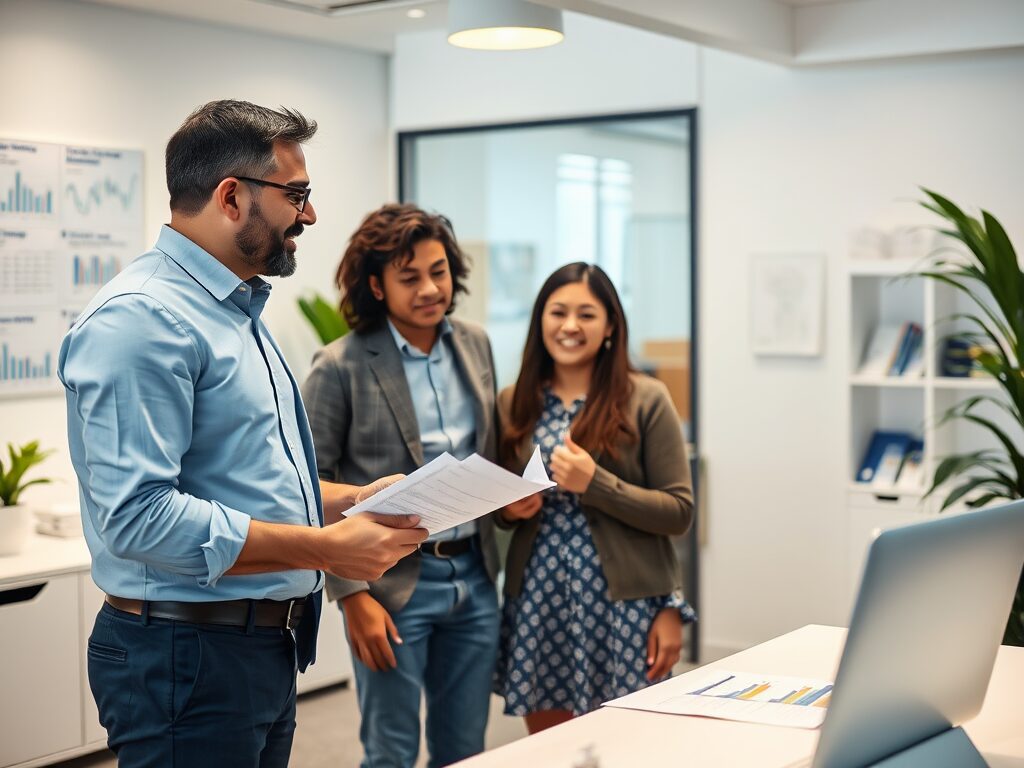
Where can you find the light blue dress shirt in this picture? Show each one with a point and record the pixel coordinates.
(185, 423)
(443, 404)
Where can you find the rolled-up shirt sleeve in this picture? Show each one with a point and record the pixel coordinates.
(134, 370)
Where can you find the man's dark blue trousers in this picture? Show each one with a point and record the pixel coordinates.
(177, 695)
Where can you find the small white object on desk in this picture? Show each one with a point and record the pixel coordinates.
(64, 520)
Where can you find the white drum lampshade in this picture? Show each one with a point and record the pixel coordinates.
(503, 25)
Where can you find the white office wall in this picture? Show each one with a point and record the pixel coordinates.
(93, 75)
(789, 161)
(795, 161)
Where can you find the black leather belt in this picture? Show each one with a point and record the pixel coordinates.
(450, 548)
(285, 614)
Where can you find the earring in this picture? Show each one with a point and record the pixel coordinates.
(608, 342)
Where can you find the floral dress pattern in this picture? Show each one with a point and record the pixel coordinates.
(564, 644)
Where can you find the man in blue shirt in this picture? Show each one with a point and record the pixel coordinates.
(198, 481)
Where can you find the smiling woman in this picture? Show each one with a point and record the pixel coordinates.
(591, 580)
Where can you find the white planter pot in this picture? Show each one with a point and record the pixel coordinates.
(15, 529)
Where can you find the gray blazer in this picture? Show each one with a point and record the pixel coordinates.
(364, 427)
(633, 505)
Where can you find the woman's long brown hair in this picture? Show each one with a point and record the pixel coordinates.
(604, 424)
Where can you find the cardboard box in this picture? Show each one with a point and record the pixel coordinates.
(668, 360)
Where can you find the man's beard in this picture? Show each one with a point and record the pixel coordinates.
(263, 249)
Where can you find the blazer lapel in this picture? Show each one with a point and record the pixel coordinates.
(472, 375)
(386, 364)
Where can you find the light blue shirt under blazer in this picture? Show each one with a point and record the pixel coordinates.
(443, 405)
(185, 423)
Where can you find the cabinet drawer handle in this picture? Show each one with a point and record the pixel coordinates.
(887, 499)
(21, 594)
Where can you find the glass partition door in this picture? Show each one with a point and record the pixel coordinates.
(615, 191)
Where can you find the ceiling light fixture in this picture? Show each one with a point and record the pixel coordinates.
(415, 13)
(503, 25)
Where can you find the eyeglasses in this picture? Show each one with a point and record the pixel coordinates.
(297, 196)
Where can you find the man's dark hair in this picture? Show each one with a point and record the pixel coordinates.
(388, 235)
(226, 138)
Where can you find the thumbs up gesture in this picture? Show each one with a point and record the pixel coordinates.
(572, 467)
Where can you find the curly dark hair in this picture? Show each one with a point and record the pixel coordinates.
(387, 235)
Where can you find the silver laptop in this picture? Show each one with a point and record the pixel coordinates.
(929, 618)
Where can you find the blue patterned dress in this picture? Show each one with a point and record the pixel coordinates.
(564, 644)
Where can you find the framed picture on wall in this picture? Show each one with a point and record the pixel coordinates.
(787, 304)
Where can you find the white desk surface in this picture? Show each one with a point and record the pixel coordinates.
(45, 556)
(624, 738)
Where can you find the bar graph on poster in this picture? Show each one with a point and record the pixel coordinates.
(71, 217)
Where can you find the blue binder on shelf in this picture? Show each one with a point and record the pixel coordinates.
(910, 341)
(884, 456)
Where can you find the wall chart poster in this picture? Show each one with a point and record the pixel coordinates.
(70, 219)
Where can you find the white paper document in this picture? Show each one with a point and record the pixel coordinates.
(447, 492)
(794, 702)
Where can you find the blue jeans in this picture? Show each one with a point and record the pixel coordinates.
(173, 694)
(450, 633)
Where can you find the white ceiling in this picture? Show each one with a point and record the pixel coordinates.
(372, 28)
(792, 32)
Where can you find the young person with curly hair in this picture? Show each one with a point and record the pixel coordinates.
(408, 384)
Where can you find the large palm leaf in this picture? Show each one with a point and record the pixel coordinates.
(991, 278)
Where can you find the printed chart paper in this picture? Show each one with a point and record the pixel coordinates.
(794, 702)
(447, 492)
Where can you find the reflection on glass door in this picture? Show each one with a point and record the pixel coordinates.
(524, 200)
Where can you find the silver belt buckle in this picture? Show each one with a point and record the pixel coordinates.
(288, 618)
(437, 550)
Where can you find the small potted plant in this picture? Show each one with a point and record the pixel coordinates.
(15, 517)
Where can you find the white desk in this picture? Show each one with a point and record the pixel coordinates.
(624, 738)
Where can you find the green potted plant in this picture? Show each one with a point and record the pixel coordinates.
(326, 319)
(991, 278)
(15, 517)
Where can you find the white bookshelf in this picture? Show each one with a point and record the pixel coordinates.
(885, 292)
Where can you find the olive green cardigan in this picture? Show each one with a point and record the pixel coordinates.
(634, 503)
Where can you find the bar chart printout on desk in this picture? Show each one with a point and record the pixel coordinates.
(794, 702)
(447, 492)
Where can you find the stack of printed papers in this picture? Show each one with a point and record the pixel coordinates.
(447, 492)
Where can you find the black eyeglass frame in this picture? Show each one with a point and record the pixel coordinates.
(304, 191)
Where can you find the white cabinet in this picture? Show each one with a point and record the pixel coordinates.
(40, 668)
